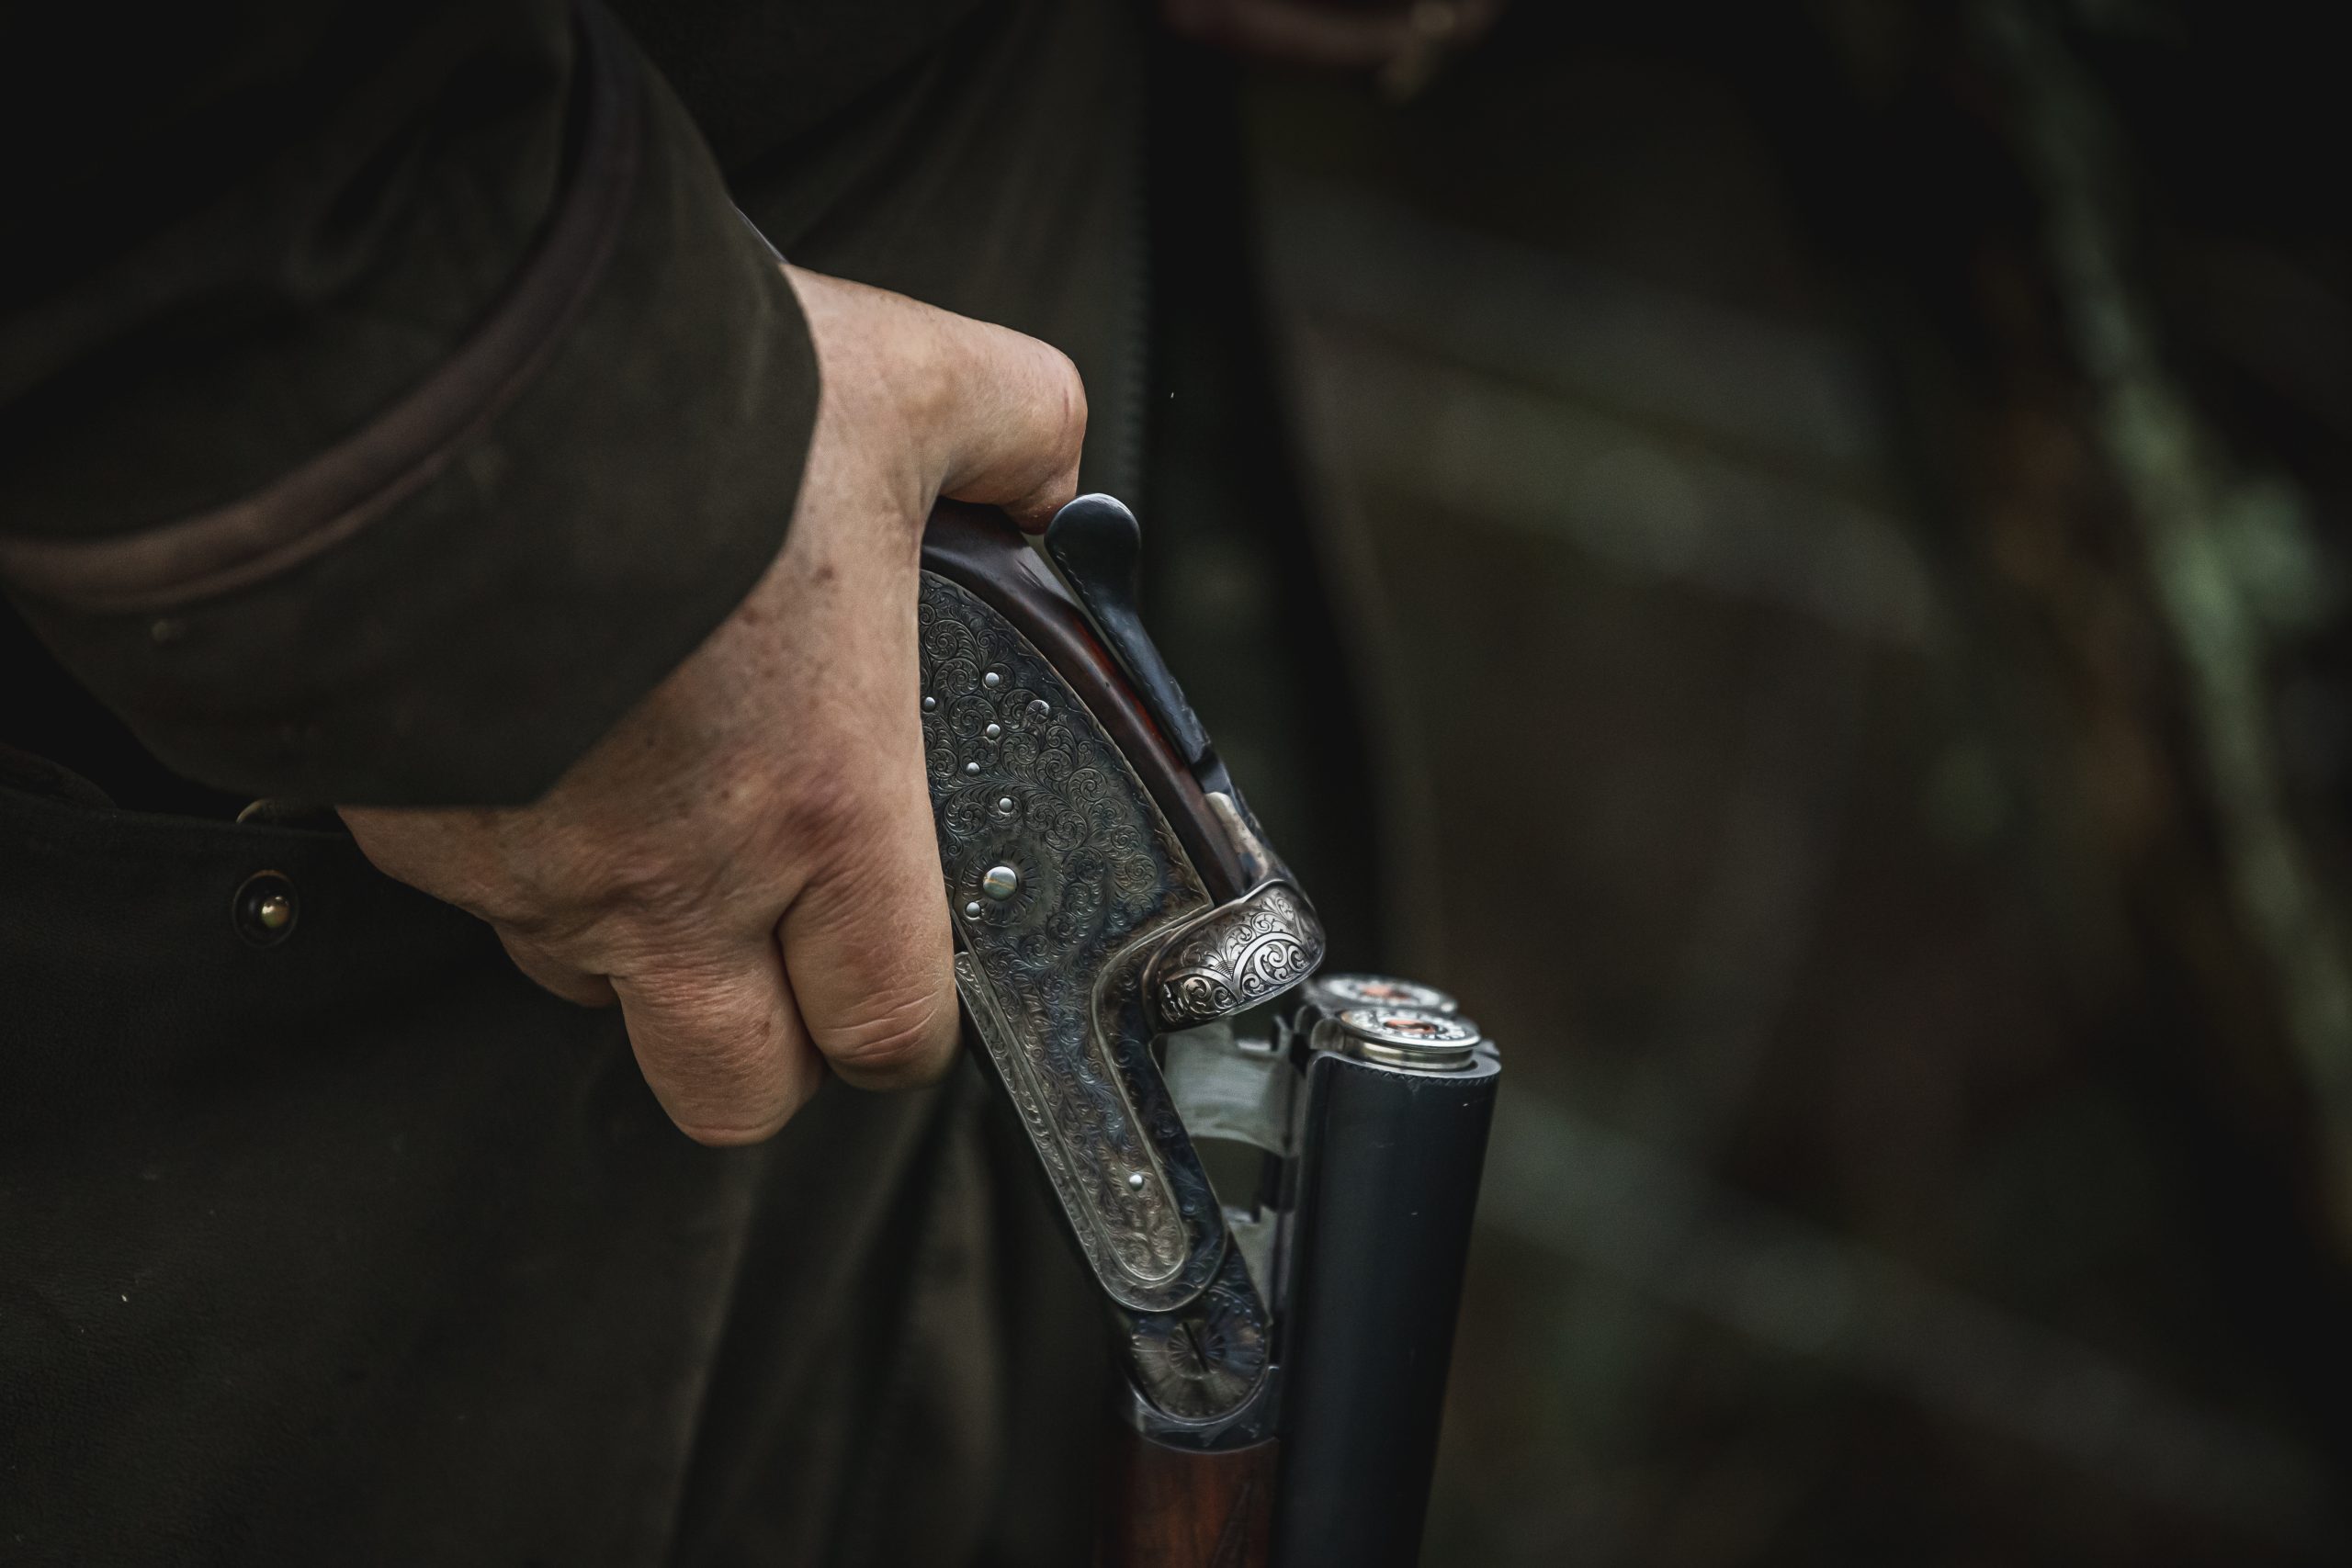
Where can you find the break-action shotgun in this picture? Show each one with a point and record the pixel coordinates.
(1116, 909)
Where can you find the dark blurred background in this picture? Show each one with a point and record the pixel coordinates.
(1792, 557)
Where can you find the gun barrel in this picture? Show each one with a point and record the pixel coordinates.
(1392, 1140)
(1113, 898)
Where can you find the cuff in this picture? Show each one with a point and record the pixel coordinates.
(452, 603)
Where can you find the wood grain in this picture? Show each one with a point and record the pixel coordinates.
(1171, 1508)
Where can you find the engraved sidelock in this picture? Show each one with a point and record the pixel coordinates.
(1070, 891)
(1064, 873)
(1118, 915)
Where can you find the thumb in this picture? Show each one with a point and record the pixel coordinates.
(1023, 421)
(997, 416)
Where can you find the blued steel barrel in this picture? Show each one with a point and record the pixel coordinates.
(1392, 1138)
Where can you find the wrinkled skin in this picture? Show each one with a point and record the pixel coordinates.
(745, 863)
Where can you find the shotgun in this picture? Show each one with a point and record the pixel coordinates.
(1120, 919)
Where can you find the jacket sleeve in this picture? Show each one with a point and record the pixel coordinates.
(395, 397)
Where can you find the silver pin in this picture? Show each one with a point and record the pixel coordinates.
(972, 769)
(1004, 804)
(972, 910)
(930, 705)
(993, 730)
(991, 679)
(1135, 1180)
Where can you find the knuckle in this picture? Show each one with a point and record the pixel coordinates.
(722, 1020)
(721, 1056)
(927, 385)
(900, 1041)
(1066, 390)
(651, 889)
(828, 811)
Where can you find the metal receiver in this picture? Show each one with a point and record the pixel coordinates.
(1116, 909)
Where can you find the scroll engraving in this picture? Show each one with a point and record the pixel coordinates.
(1062, 879)
(1204, 1361)
(1236, 956)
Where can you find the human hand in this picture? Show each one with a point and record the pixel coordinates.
(746, 863)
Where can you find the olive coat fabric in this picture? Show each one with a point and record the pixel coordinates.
(355, 1248)
(396, 395)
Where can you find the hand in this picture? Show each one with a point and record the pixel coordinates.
(746, 862)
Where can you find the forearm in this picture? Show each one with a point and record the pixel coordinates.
(391, 455)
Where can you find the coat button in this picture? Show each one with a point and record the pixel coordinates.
(266, 909)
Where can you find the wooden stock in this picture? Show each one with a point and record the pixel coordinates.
(1168, 1508)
